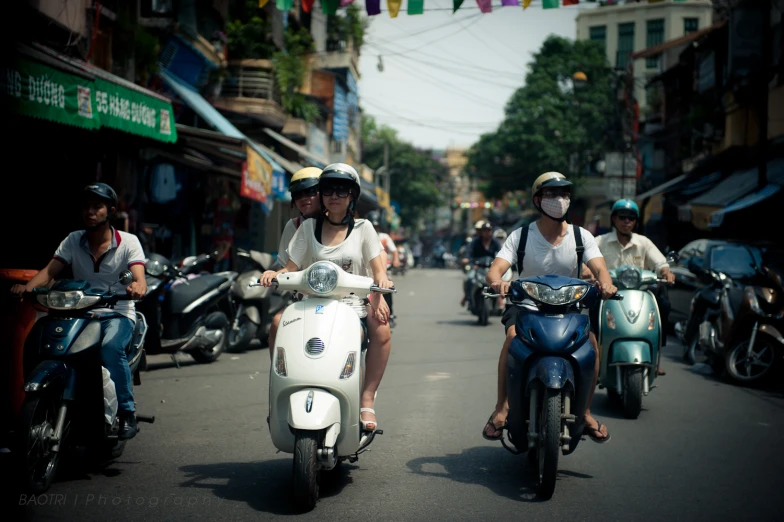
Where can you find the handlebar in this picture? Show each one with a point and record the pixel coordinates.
(614, 297)
(373, 288)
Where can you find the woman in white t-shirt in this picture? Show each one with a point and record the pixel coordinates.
(353, 245)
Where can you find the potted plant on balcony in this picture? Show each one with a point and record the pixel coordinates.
(290, 74)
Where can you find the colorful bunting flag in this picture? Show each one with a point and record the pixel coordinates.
(373, 7)
(526, 3)
(307, 5)
(549, 4)
(456, 5)
(394, 7)
(416, 7)
(510, 3)
(329, 7)
(262, 3)
(571, 2)
(485, 6)
(284, 5)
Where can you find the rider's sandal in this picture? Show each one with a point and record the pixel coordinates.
(598, 429)
(365, 423)
(496, 428)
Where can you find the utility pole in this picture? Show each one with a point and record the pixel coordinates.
(386, 168)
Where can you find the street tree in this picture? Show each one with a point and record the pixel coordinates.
(415, 173)
(554, 122)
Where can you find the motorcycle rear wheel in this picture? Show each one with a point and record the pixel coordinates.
(742, 370)
(306, 472)
(239, 341)
(632, 392)
(549, 444)
(209, 355)
(39, 463)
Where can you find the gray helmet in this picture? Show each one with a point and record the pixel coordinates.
(103, 191)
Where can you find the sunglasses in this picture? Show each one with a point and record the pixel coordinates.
(308, 193)
(340, 191)
(627, 218)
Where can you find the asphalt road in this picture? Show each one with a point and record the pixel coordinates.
(701, 449)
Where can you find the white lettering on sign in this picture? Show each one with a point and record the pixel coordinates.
(13, 83)
(43, 90)
(118, 107)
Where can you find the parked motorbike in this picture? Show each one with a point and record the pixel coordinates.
(190, 313)
(737, 327)
(549, 372)
(254, 306)
(630, 338)
(314, 386)
(65, 403)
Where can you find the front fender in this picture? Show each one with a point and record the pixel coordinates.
(313, 412)
(630, 352)
(553, 372)
(47, 374)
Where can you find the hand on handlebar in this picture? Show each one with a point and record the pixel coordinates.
(606, 291)
(136, 290)
(20, 290)
(267, 278)
(500, 287)
(385, 283)
(670, 277)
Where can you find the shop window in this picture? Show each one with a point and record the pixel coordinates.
(655, 36)
(625, 44)
(690, 25)
(598, 33)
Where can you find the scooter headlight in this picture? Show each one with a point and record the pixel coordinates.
(322, 277)
(563, 296)
(630, 277)
(67, 300)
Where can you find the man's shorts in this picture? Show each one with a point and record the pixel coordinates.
(510, 316)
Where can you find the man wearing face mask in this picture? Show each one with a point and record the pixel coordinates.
(549, 246)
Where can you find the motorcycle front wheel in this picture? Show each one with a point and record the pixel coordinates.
(484, 310)
(549, 444)
(208, 355)
(632, 392)
(751, 367)
(306, 472)
(36, 459)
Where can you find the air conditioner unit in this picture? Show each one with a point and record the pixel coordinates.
(155, 13)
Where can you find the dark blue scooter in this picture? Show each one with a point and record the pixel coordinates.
(64, 400)
(550, 372)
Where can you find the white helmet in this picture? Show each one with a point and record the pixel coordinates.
(342, 172)
(500, 234)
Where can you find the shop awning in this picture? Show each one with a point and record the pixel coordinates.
(664, 187)
(717, 218)
(47, 85)
(218, 121)
(738, 185)
(299, 149)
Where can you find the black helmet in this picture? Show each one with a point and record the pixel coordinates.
(103, 191)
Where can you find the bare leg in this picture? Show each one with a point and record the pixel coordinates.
(502, 404)
(375, 364)
(590, 421)
(273, 332)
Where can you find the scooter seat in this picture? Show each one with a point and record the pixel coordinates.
(180, 296)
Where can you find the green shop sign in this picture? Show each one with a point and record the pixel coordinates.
(40, 91)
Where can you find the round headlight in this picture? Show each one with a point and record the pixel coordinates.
(630, 278)
(322, 277)
(154, 267)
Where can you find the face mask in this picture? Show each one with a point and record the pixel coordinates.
(555, 207)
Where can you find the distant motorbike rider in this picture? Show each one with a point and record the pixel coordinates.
(391, 251)
(550, 247)
(305, 196)
(98, 255)
(483, 245)
(622, 246)
(500, 235)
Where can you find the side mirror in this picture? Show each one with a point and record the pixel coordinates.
(695, 266)
(126, 278)
(673, 256)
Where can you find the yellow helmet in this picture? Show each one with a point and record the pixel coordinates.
(304, 179)
(549, 179)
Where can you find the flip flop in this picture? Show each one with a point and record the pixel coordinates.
(598, 429)
(496, 428)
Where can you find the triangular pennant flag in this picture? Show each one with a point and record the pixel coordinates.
(394, 7)
(307, 5)
(373, 7)
(262, 3)
(510, 3)
(526, 3)
(344, 3)
(416, 7)
(571, 2)
(329, 7)
(456, 5)
(485, 6)
(549, 4)
(284, 5)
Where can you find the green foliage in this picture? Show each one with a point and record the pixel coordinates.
(415, 173)
(249, 33)
(290, 73)
(351, 27)
(546, 121)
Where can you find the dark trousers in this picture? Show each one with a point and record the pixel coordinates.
(388, 299)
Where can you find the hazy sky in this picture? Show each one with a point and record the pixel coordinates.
(447, 77)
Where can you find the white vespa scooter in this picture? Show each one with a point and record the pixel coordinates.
(314, 388)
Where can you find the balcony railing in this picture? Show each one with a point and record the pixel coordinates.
(251, 79)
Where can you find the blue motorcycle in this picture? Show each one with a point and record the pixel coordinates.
(64, 403)
(550, 372)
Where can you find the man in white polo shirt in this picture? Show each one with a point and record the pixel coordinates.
(98, 255)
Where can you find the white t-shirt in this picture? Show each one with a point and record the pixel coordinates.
(285, 239)
(387, 243)
(542, 258)
(353, 255)
(124, 252)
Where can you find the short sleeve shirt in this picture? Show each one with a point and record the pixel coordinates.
(124, 252)
(477, 249)
(353, 255)
(288, 232)
(542, 258)
(387, 243)
(639, 251)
